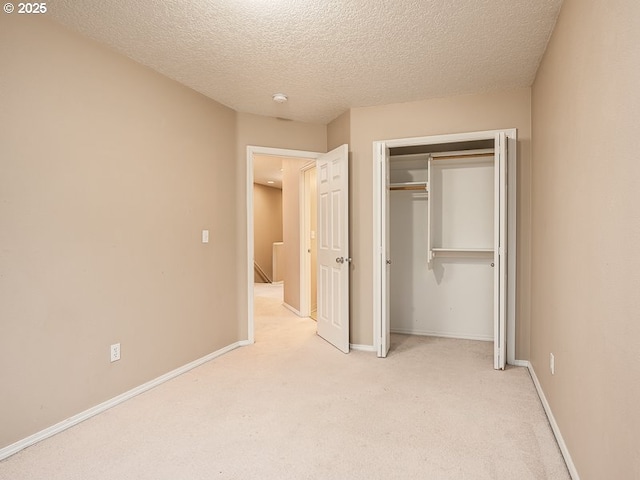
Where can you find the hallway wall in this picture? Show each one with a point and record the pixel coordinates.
(267, 224)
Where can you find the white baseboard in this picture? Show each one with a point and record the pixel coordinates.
(82, 416)
(520, 363)
(289, 307)
(460, 336)
(552, 421)
(362, 348)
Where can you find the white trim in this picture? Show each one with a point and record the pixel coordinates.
(297, 312)
(460, 336)
(552, 421)
(448, 138)
(512, 207)
(362, 348)
(378, 261)
(250, 247)
(251, 151)
(520, 363)
(104, 406)
(378, 229)
(305, 259)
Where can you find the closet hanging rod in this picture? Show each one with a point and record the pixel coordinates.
(455, 157)
(400, 156)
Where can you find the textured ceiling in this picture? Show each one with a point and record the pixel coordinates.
(326, 55)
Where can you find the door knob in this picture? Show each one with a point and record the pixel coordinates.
(340, 260)
(388, 262)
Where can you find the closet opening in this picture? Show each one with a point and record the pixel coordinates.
(445, 228)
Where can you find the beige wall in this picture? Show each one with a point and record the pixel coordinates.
(267, 225)
(586, 234)
(339, 131)
(109, 172)
(262, 131)
(432, 117)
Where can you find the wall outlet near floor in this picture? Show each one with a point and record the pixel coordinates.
(552, 363)
(115, 352)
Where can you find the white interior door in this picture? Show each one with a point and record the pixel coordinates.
(333, 247)
(500, 252)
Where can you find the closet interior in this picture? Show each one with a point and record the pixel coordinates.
(442, 211)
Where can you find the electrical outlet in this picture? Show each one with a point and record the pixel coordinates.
(115, 352)
(552, 364)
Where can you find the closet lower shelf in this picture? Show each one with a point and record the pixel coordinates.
(462, 252)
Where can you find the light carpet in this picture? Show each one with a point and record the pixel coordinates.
(293, 407)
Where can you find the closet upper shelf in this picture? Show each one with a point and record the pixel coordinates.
(422, 186)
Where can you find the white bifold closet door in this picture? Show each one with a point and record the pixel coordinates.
(443, 250)
(385, 257)
(500, 253)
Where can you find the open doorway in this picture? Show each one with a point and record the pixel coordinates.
(333, 262)
(268, 236)
(276, 247)
(268, 260)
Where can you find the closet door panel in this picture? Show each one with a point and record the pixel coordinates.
(500, 251)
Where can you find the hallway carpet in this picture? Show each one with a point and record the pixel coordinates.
(294, 407)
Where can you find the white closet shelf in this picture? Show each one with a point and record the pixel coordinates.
(409, 186)
(455, 251)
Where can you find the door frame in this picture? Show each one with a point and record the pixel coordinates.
(305, 221)
(379, 228)
(252, 151)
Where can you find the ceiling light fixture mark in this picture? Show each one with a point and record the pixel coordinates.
(279, 97)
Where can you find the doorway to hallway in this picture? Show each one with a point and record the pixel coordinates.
(275, 236)
(332, 233)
